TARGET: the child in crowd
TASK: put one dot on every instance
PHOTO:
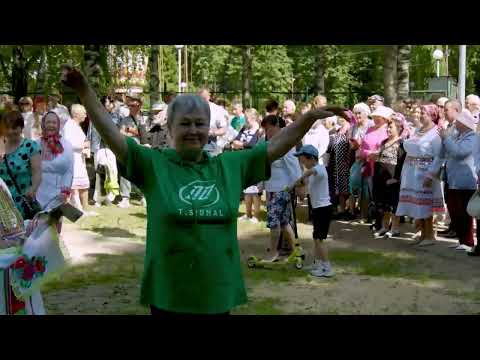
(322, 207)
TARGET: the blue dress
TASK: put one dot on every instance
(19, 163)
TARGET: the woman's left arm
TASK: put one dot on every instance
(36, 165)
(67, 178)
(434, 168)
(290, 136)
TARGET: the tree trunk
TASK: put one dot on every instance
(19, 73)
(321, 64)
(403, 71)
(41, 74)
(390, 73)
(154, 81)
(247, 61)
(93, 70)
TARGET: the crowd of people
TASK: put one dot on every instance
(413, 162)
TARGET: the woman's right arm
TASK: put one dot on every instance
(96, 111)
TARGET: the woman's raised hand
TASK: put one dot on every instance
(73, 78)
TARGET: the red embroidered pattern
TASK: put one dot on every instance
(435, 203)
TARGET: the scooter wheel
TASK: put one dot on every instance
(299, 264)
(251, 262)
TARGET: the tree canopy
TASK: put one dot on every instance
(345, 73)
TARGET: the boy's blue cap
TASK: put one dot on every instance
(307, 150)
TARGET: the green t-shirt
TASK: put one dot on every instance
(192, 262)
(238, 122)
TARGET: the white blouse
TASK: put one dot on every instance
(427, 146)
(57, 174)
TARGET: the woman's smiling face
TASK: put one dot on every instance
(189, 125)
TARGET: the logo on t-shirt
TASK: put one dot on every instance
(202, 193)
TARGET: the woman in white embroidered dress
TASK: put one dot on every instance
(420, 192)
(74, 134)
(57, 162)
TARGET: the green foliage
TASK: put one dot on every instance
(352, 72)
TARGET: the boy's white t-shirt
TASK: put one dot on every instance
(318, 187)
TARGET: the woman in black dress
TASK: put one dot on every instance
(339, 165)
(386, 181)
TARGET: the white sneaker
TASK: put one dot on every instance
(322, 272)
(97, 205)
(463, 248)
(328, 272)
(313, 266)
(244, 218)
(254, 220)
(144, 202)
(380, 233)
(392, 233)
(124, 204)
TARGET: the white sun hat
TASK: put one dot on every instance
(159, 106)
(467, 119)
(383, 111)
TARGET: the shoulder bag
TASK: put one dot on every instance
(31, 207)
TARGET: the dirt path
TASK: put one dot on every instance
(83, 245)
(432, 280)
(374, 276)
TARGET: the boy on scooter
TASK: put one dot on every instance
(322, 207)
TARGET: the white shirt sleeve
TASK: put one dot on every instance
(324, 139)
(293, 166)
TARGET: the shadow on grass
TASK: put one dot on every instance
(357, 259)
(140, 215)
(103, 269)
(113, 232)
(259, 306)
(263, 214)
(108, 285)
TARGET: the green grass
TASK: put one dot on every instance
(274, 273)
(104, 270)
(129, 224)
(381, 264)
(473, 296)
(262, 306)
(122, 273)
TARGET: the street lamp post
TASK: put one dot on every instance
(438, 55)
(462, 67)
(183, 86)
(179, 52)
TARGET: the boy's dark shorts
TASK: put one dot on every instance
(321, 222)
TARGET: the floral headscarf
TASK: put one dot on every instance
(51, 145)
(432, 111)
(402, 121)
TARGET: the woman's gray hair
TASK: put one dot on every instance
(185, 104)
(362, 108)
